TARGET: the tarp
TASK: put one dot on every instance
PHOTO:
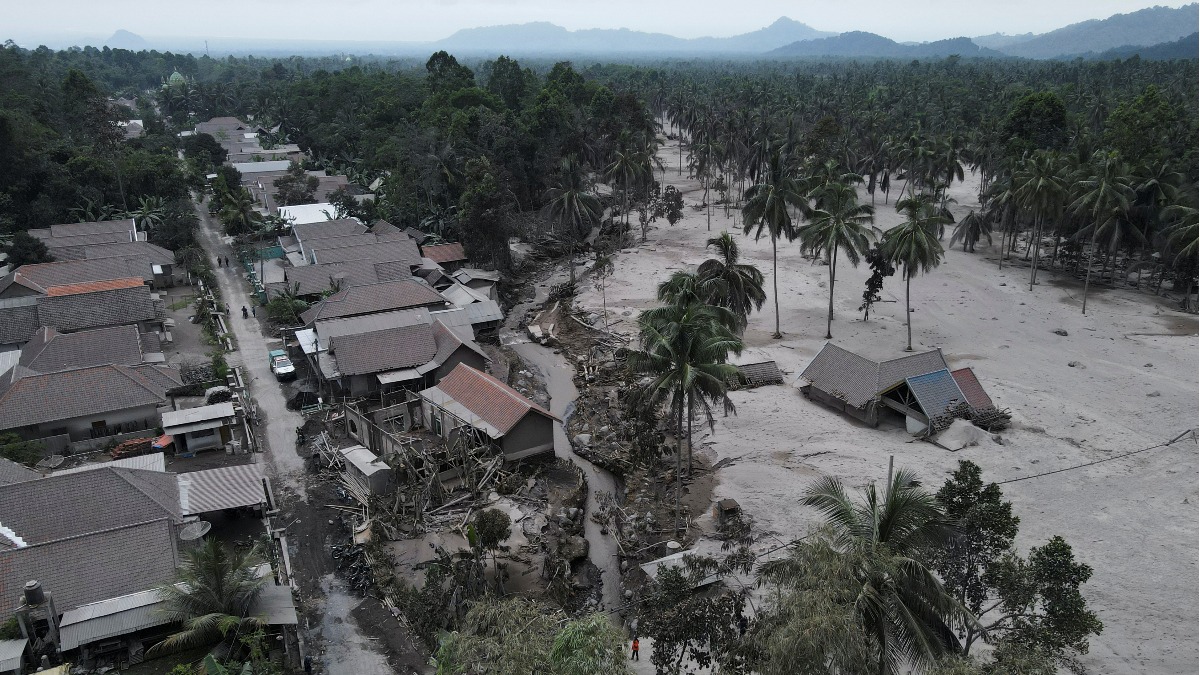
(163, 441)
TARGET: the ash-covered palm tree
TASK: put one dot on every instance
(768, 210)
(905, 612)
(1040, 186)
(572, 206)
(736, 286)
(1104, 194)
(970, 230)
(214, 591)
(914, 244)
(684, 353)
(839, 223)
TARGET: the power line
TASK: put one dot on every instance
(1100, 461)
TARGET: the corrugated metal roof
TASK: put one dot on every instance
(275, 606)
(11, 652)
(937, 393)
(205, 413)
(364, 460)
(227, 487)
(113, 625)
(972, 389)
(154, 461)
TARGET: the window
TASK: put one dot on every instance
(437, 423)
(353, 428)
(203, 433)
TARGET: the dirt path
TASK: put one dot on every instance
(348, 649)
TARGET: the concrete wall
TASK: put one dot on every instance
(534, 434)
(80, 428)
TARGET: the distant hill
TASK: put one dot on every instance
(1151, 26)
(123, 39)
(1183, 48)
(547, 37)
(870, 45)
(1000, 40)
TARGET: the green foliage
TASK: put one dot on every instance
(10, 629)
(296, 186)
(1150, 115)
(13, 447)
(1036, 121)
(493, 527)
(205, 150)
(27, 250)
(686, 624)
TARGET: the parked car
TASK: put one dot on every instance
(281, 365)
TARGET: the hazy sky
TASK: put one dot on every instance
(423, 20)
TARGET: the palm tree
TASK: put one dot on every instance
(1104, 196)
(238, 213)
(149, 213)
(684, 352)
(572, 205)
(627, 166)
(903, 608)
(914, 244)
(840, 223)
(736, 286)
(1041, 188)
(767, 210)
(970, 230)
(214, 591)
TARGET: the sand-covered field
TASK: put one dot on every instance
(1134, 520)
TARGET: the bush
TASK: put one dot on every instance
(15, 448)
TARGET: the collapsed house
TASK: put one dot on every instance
(920, 387)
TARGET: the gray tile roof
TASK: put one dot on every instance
(758, 375)
(96, 227)
(61, 506)
(449, 342)
(12, 472)
(332, 328)
(34, 398)
(313, 279)
(110, 307)
(308, 232)
(383, 250)
(54, 243)
(858, 380)
(380, 351)
(45, 275)
(374, 298)
(154, 255)
(18, 320)
(50, 351)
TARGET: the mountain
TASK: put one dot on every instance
(869, 45)
(1183, 48)
(123, 39)
(1000, 40)
(1151, 26)
(546, 37)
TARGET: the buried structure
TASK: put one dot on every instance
(920, 387)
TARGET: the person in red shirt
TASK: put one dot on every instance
(634, 656)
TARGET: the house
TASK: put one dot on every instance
(50, 351)
(97, 304)
(82, 404)
(160, 261)
(449, 256)
(259, 169)
(468, 397)
(369, 472)
(311, 281)
(414, 355)
(856, 385)
(96, 232)
(373, 299)
(484, 281)
(307, 233)
(31, 280)
(202, 428)
(88, 536)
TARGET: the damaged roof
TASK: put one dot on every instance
(858, 380)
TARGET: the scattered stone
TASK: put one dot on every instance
(573, 548)
(1154, 394)
(629, 593)
(1148, 365)
(1061, 332)
(583, 440)
(1003, 284)
(1074, 364)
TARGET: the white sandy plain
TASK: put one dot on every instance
(1134, 520)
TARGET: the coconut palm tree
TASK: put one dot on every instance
(972, 228)
(914, 244)
(627, 166)
(150, 213)
(736, 286)
(839, 223)
(572, 205)
(684, 349)
(767, 210)
(238, 213)
(1040, 187)
(1104, 194)
(902, 607)
(214, 591)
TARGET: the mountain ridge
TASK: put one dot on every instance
(1145, 27)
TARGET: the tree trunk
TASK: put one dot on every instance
(678, 464)
(908, 305)
(1003, 232)
(1087, 278)
(1037, 250)
(689, 433)
(775, 282)
(832, 272)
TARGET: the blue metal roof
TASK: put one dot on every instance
(936, 393)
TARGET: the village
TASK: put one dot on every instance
(306, 440)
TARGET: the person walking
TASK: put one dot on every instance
(633, 656)
(245, 312)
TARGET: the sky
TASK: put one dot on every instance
(53, 21)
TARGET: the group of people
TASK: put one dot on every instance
(222, 261)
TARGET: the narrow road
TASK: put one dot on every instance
(278, 427)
